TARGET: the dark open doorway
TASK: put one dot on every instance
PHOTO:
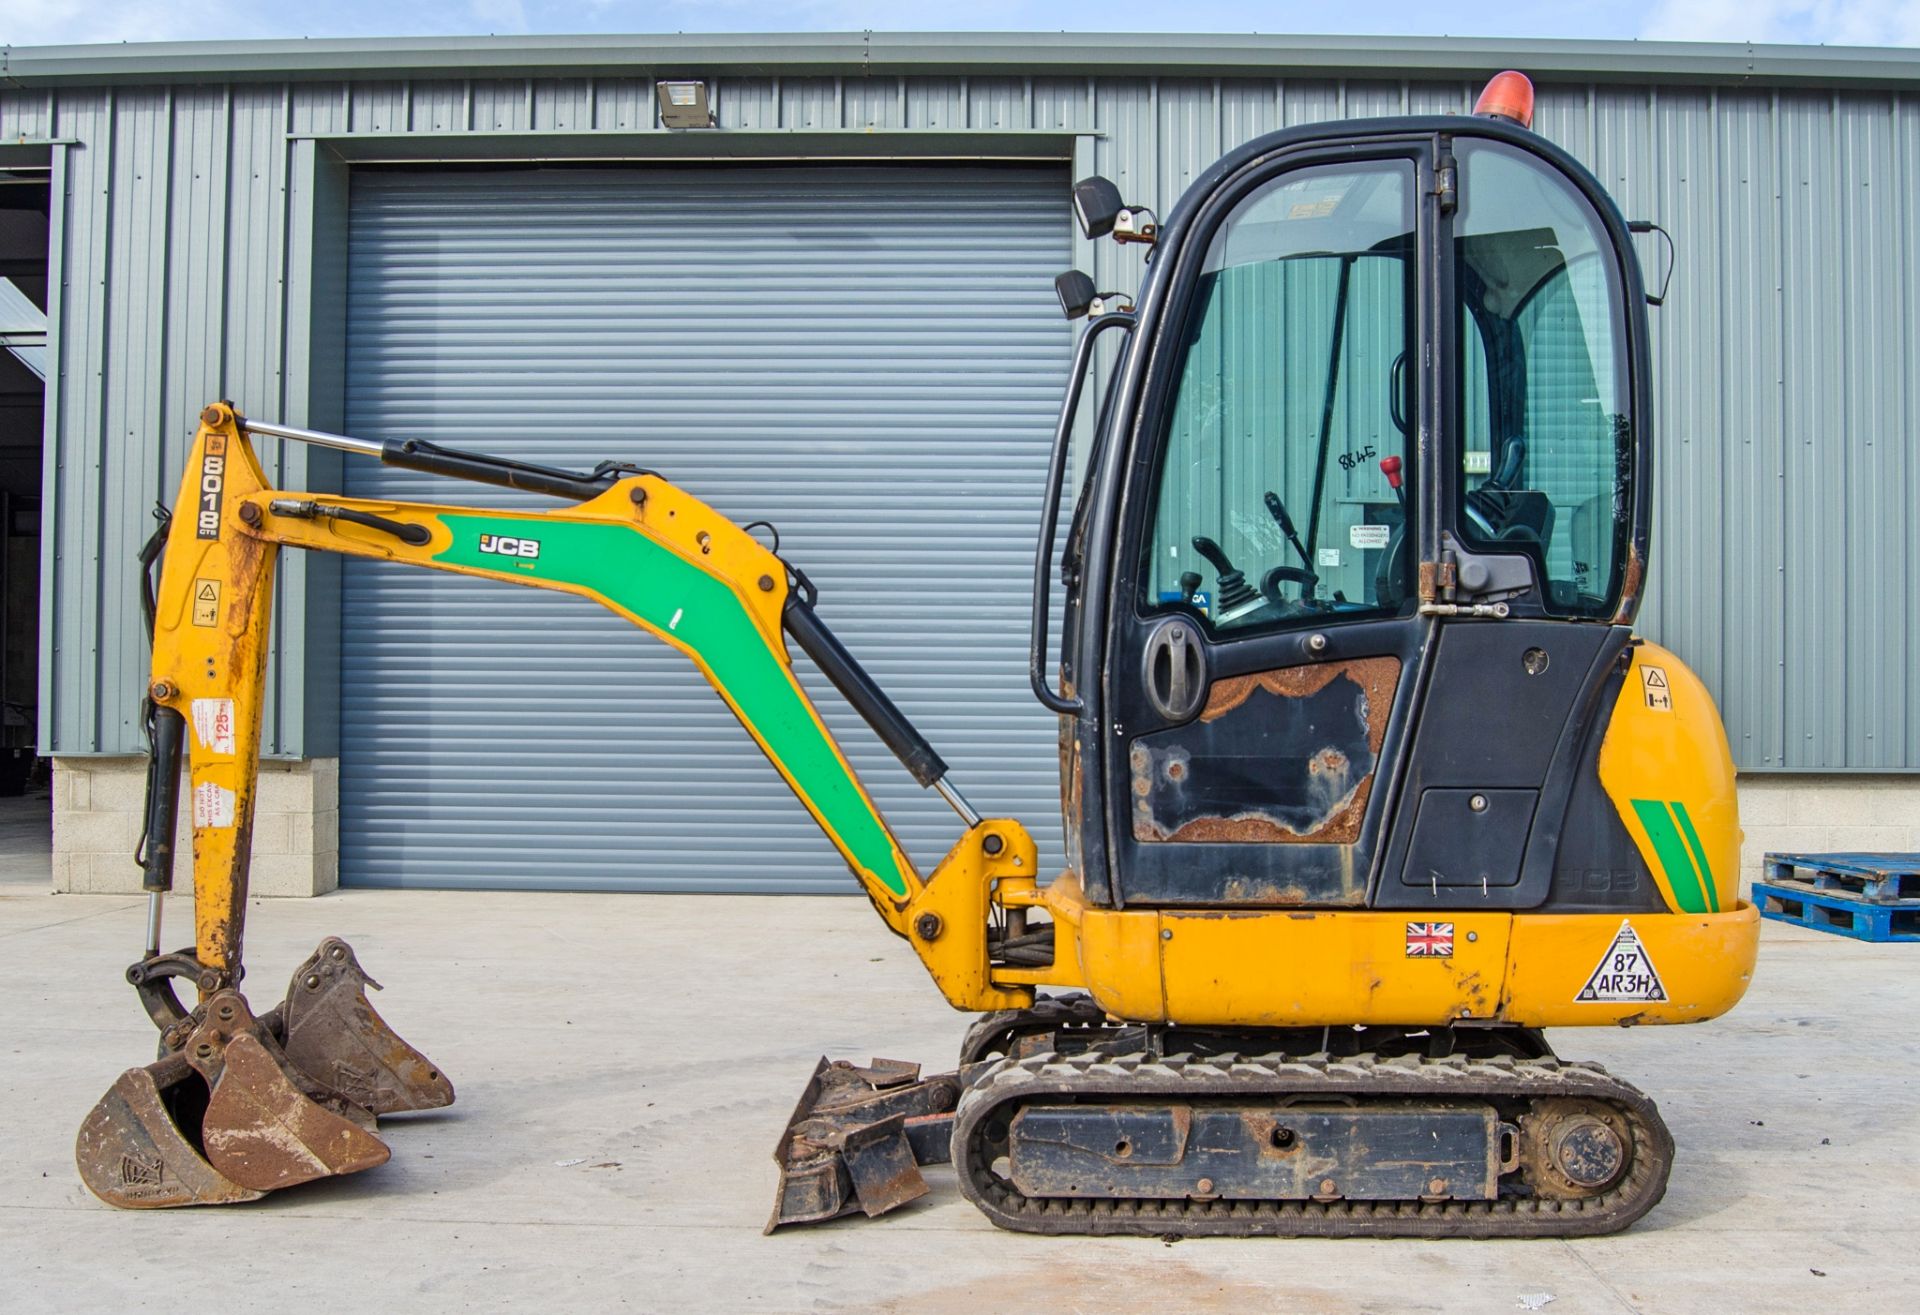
(23, 369)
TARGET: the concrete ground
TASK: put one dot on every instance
(624, 1064)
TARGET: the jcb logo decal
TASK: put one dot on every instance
(507, 547)
(213, 487)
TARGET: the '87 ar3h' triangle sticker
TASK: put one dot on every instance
(1625, 973)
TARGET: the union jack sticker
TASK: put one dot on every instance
(1429, 940)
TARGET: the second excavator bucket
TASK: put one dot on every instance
(330, 1030)
(226, 1119)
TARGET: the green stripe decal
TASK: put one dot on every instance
(1672, 852)
(1699, 853)
(675, 596)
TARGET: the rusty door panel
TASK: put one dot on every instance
(1282, 756)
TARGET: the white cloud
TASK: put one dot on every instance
(1807, 22)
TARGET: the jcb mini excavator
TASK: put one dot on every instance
(1366, 779)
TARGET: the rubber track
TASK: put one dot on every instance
(1044, 1078)
(1046, 1014)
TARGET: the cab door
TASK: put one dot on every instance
(1265, 640)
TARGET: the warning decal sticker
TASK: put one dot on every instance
(1625, 973)
(1653, 680)
(213, 724)
(212, 805)
(206, 602)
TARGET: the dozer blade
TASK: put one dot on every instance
(857, 1139)
(133, 1153)
(330, 1030)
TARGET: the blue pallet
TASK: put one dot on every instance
(1841, 914)
(1877, 877)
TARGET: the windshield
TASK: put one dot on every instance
(1284, 474)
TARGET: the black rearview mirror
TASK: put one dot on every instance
(1076, 293)
(1096, 204)
(1673, 257)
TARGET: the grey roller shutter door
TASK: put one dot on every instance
(869, 357)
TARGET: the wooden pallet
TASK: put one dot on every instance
(1844, 915)
(1881, 878)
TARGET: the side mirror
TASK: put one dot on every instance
(1673, 257)
(1096, 204)
(1076, 292)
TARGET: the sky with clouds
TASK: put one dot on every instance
(1831, 22)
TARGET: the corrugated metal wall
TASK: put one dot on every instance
(1788, 393)
(806, 345)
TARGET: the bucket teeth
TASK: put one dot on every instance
(330, 1030)
(132, 1153)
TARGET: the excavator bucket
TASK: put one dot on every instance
(264, 1133)
(330, 1031)
(227, 1119)
(135, 1151)
(858, 1137)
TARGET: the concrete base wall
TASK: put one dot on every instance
(1787, 814)
(97, 805)
(98, 812)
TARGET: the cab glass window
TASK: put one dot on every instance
(1285, 472)
(1543, 387)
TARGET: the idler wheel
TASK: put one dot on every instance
(1570, 1148)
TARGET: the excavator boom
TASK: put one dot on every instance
(633, 543)
(638, 546)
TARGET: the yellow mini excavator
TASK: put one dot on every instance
(1366, 779)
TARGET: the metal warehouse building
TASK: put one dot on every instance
(832, 311)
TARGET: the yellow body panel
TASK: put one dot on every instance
(1666, 765)
(1338, 967)
(1348, 966)
(1704, 961)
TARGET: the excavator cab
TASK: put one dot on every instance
(1367, 779)
(1367, 514)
